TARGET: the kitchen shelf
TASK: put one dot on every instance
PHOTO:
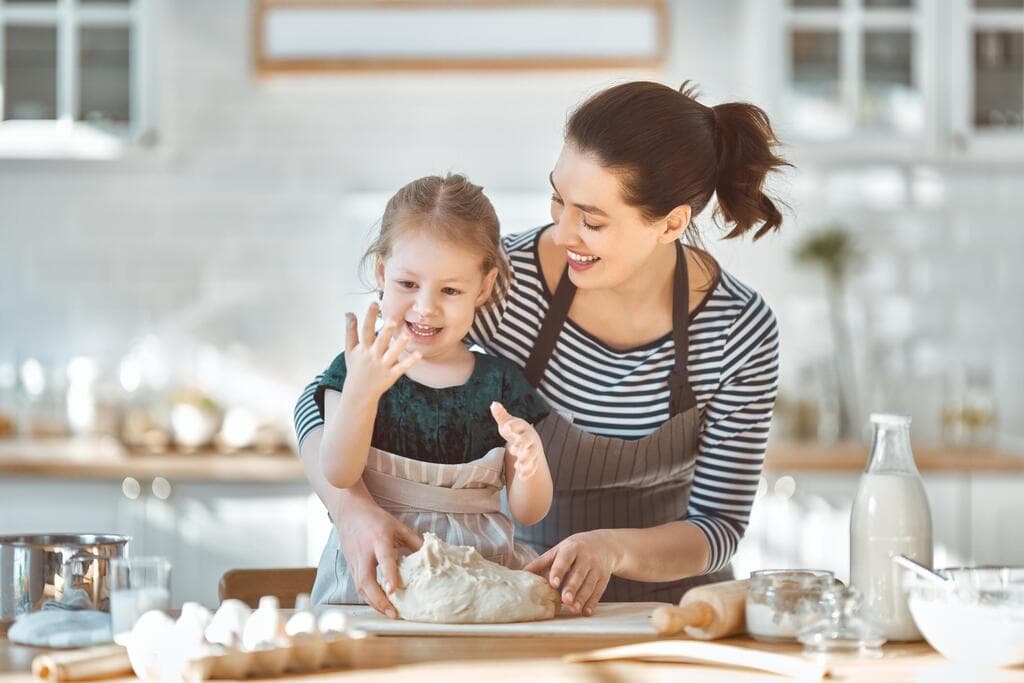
(106, 459)
(853, 456)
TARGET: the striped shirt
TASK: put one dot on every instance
(733, 370)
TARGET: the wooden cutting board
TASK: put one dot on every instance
(610, 619)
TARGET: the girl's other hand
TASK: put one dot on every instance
(374, 361)
(521, 440)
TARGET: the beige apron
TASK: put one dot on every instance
(461, 503)
(606, 483)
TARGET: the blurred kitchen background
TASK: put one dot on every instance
(186, 187)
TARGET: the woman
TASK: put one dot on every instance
(661, 369)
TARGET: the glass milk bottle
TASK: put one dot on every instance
(890, 517)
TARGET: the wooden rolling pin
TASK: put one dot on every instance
(717, 610)
(90, 663)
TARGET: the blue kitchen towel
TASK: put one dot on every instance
(63, 623)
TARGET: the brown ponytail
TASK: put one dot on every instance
(673, 150)
(745, 158)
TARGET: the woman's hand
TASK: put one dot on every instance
(369, 537)
(522, 441)
(580, 566)
(374, 362)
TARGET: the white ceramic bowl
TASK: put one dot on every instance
(980, 622)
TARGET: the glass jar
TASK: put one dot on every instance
(780, 602)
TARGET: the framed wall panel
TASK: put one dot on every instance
(340, 35)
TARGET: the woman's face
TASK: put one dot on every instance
(432, 287)
(606, 241)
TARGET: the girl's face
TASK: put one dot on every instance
(606, 241)
(434, 287)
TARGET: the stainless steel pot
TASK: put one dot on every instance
(37, 568)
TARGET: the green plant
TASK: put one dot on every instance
(830, 248)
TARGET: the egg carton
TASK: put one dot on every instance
(236, 642)
(310, 654)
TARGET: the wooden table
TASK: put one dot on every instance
(496, 660)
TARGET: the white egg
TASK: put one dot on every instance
(228, 624)
(333, 621)
(147, 644)
(265, 627)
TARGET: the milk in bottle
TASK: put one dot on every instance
(890, 517)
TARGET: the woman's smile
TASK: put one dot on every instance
(579, 261)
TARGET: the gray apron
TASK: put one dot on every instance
(604, 482)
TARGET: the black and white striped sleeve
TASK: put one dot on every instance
(307, 414)
(488, 317)
(735, 432)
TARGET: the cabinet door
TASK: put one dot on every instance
(217, 527)
(854, 76)
(803, 520)
(997, 506)
(47, 506)
(987, 96)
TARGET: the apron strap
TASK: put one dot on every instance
(396, 493)
(558, 311)
(681, 393)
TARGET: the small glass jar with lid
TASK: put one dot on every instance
(780, 602)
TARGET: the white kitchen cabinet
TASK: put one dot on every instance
(987, 72)
(203, 528)
(79, 78)
(893, 79)
(39, 505)
(218, 526)
(802, 519)
(996, 510)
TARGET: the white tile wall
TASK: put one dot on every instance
(243, 229)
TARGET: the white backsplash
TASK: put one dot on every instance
(242, 230)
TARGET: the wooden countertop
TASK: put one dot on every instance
(852, 457)
(472, 659)
(106, 459)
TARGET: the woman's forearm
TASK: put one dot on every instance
(662, 553)
(348, 431)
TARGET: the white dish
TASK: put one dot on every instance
(979, 620)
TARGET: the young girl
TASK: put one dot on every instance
(433, 430)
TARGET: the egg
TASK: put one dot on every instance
(333, 622)
(228, 624)
(264, 629)
(147, 644)
(308, 646)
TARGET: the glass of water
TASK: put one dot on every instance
(137, 585)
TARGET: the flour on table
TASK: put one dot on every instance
(454, 584)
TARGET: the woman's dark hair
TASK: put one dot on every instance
(671, 150)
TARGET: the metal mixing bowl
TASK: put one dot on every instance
(36, 568)
(978, 619)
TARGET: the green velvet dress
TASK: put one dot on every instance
(448, 426)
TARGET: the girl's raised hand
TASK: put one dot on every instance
(374, 360)
(521, 440)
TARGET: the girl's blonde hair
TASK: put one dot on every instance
(451, 209)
